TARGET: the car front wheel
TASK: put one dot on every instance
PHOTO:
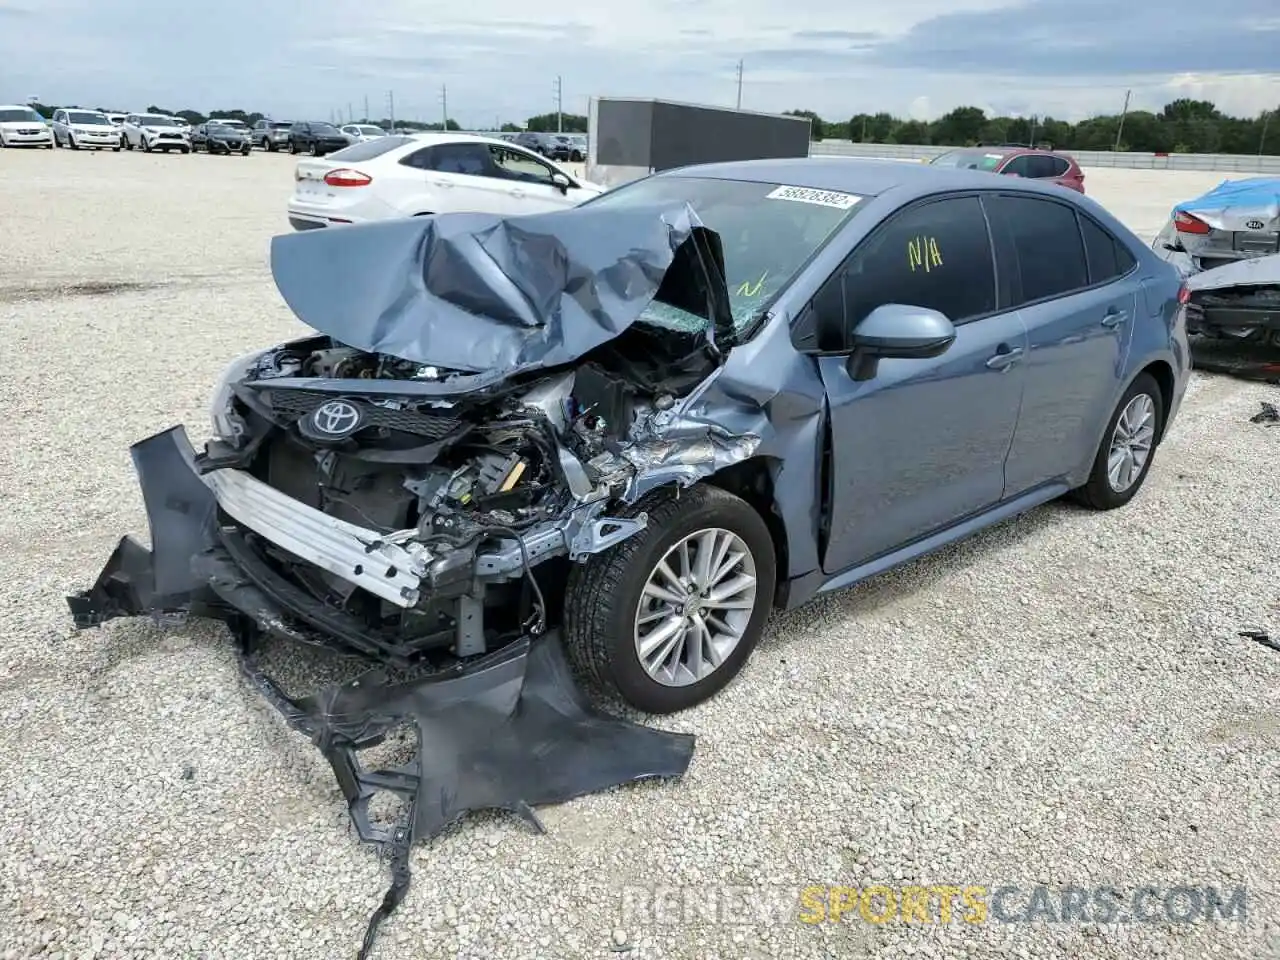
(665, 619)
(1128, 447)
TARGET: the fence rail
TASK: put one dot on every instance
(1225, 162)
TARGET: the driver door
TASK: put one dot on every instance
(527, 179)
(922, 444)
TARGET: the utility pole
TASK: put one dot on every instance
(391, 109)
(366, 109)
(1266, 120)
(739, 84)
(1031, 137)
(444, 107)
(559, 105)
(1124, 111)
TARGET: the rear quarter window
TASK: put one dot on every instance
(1106, 256)
(370, 148)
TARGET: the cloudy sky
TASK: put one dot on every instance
(500, 59)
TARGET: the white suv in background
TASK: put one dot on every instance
(21, 126)
(84, 128)
(154, 131)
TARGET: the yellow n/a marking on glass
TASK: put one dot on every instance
(923, 253)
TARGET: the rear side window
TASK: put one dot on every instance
(371, 148)
(1045, 167)
(1021, 165)
(1046, 241)
(936, 255)
(1107, 257)
(465, 158)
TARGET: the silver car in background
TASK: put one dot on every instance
(1236, 220)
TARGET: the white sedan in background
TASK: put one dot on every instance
(360, 132)
(421, 174)
(21, 126)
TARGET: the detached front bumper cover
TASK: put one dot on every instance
(506, 731)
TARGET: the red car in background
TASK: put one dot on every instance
(1017, 161)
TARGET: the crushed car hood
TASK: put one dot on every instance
(1233, 202)
(478, 293)
(1261, 271)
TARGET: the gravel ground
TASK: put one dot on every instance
(1061, 700)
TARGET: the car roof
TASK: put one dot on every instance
(856, 175)
(16, 106)
(434, 136)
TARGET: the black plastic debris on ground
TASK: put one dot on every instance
(1268, 415)
(1244, 359)
(508, 731)
(1260, 636)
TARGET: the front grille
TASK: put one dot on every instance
(295, 404)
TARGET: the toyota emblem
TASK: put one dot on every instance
(337, 418)
(1254, 224)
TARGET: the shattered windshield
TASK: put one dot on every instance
(969, 160)
(769, 232)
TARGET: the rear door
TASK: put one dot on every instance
(1077, 294)
(922, 444)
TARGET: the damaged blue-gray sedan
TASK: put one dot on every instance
(648, 421)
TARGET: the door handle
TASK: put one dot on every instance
(517, 193)
(1114, 318)
(1005, 357)
(442, 183)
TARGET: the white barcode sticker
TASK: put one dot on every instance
(823, 198)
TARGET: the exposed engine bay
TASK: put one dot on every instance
(523, 468)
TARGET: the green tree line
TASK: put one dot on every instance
(1183, 126)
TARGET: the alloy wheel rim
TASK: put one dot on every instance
(695, 607)
(1131, 442)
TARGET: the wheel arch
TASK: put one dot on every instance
(1162, 372)
(752, 480)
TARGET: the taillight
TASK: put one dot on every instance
(1186, 223)
(347, 178)
(1184, 295)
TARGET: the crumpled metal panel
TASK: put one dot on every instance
(482, 293)
(1258, 272)
(1232, 203)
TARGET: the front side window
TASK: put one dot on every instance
(769, 232)
(511, 164)
(969, 159)
(1046, 238)
(1019, 165)
(936, 255)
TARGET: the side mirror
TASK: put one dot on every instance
(900, 332)
(561, 181)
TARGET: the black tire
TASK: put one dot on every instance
(245, 151)
(71, 142)
(1098, 493)
(293, 147)
(603, 594)
(128, 144)
(115, 149)
(146, 145)
(315, 149)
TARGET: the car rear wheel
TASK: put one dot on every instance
(293, 148)
(246, 150)
(665, 619)
(315, 150)
(1127, 449)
